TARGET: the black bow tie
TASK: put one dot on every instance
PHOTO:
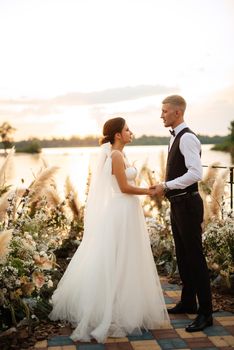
(172, 132)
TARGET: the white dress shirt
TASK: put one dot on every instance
(190, 147)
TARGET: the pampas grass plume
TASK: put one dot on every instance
(5, 238)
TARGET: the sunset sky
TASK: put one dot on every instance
(66, 66)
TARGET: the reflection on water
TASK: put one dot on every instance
(75, 162)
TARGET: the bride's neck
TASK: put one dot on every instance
(117, 146)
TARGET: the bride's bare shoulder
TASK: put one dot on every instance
(116, 154)
(117, 157)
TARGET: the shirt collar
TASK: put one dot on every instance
(180, 127)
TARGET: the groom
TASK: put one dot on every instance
(183, 172)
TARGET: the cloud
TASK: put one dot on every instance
(212, 114)
(112, 95)
(143, 120)
(209, 115)
(95, 97)
(23, 112)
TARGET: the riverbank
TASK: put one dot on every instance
(34, 145)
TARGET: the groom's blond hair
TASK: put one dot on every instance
(176, 100)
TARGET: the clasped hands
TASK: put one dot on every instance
(156, 190)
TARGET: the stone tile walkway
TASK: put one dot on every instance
(219, 336)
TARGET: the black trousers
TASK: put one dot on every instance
(186, 220)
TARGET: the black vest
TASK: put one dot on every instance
(176, 165)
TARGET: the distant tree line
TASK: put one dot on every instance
(90, 141)
(59, 142)
(164, 140)
(34, 145)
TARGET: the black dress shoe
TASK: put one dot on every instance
(200, 322)
(181, 309)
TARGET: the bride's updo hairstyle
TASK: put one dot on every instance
(110, 128)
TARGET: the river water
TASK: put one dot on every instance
(75, 163)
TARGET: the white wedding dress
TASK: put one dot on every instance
(111, 287)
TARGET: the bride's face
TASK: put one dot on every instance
(126, 134)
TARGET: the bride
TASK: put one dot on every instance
(111, 287)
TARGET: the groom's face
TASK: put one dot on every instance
(169, 115)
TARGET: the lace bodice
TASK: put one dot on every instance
(131, 173)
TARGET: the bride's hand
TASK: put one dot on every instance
(151, 191)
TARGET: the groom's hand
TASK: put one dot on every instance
(158, 190)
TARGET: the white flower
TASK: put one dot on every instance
(42, 253)
(50, 284)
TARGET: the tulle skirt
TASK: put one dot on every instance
(111, 287)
